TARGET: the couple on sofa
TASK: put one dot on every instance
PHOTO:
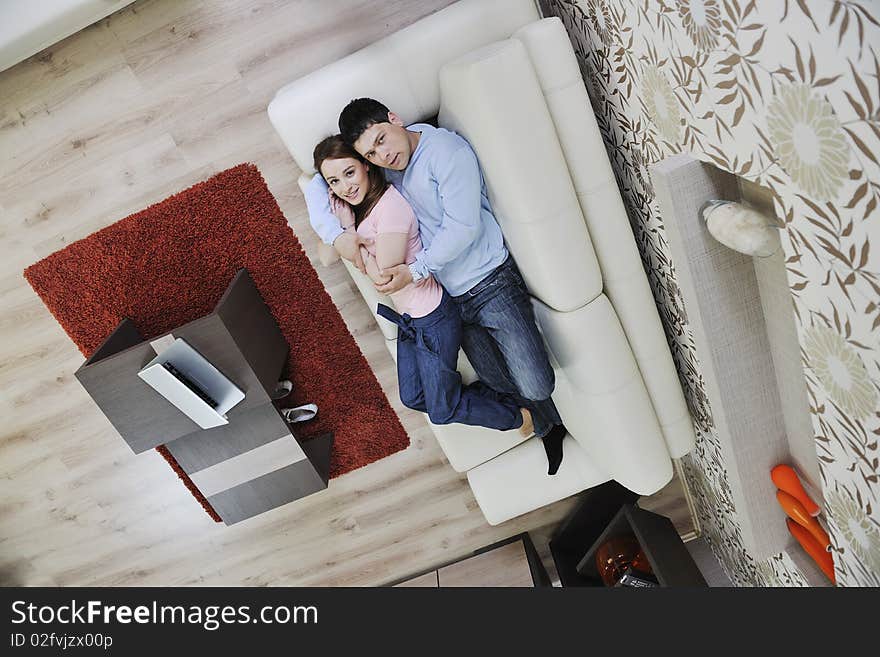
(408, 206)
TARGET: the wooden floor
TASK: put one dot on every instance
(143, 104)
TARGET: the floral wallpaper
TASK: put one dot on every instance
(785, 93)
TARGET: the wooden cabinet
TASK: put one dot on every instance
(510, 563)
(426, 581)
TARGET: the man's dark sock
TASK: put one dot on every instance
(553, 447)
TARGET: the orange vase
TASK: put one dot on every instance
(796, 511)
(786, 479)
(822, 558)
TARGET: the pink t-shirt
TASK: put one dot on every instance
(392, 214)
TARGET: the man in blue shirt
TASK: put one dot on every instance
(437, 172)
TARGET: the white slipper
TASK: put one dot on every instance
(299, 413)
(282, 389)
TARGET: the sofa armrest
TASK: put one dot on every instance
(327, 255)
(27, 27)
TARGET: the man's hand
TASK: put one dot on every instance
(348, 245)
(400, 275)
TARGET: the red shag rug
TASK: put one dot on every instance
(170, 263)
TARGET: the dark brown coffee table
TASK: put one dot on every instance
(248, 466)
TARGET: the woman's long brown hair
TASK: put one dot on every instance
(334, 148)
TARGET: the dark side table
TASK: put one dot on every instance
(609, 510)
(248, 466)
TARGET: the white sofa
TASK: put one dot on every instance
(29, 26)
(509, 82)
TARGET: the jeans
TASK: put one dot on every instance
(502, 342)
(427, 358)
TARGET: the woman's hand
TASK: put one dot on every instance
(349, 245)
(341, 210)
(371, 268)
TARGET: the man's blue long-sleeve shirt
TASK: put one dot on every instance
(461, 240)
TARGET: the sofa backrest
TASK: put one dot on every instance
(400, 70)
(496, 97)
(623, 275)
(492, 97)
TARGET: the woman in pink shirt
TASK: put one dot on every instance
(429, 326)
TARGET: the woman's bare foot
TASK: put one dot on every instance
(528, 427)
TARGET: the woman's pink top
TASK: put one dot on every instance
(392, 214)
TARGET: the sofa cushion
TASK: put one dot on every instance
(399, 70)
(466, 447)
(492, 97)
(517, 481)
(601, 396)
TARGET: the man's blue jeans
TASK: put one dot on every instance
(427, 358)
(502, 342)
